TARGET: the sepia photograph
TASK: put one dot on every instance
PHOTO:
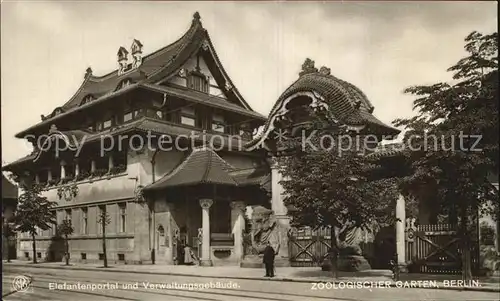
(251, 150)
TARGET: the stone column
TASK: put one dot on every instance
(238, 225)
(280, 211)
(63, 170)
(92, 166)
(77, 168)
(205, 247)
(400, 233)
(110, 162)
(49, 175)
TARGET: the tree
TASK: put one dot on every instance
(65, 229)
(34, 212)
(104, 220)
(331, 185)
(8, 232)
(463, 119)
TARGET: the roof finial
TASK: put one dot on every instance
(308, 67)
(88, 72)
(196, 17)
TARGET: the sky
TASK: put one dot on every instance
(381, 47)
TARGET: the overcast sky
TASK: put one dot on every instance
(380, 47)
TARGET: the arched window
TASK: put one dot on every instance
(161, 236)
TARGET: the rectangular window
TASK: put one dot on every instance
(101, 256)
(53, 229)
(218, 123)
(121, 257)
(197, 82)
(128, 116)
(188, 121)
(123, 215)
(83, 256)
(84, 221)
(107, 124)
(100, 213)
(188, 116)
(68, 215)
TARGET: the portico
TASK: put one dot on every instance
(202, 204)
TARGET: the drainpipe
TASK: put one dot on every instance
(153, 249)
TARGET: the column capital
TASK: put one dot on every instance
(206, 203)
(238, 205)
(273, 162)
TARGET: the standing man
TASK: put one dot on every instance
(268, 260)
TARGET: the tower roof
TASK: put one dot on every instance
(202, 166)
(155, 66)
(347, 103)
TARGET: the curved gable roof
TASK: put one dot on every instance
(348, 104)
(101, 85)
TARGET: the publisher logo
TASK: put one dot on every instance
(21, 283)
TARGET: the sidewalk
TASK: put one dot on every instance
(290, 274)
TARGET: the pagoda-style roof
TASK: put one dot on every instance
(144, 124)
(202, 166)
(9, 190)
(347, 103)
(205, 166)
(155, 67)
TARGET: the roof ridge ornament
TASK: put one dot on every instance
(88, 72)
(308, 67)
(325, 70)
(196, 17)
(136, 50)
(122, 60)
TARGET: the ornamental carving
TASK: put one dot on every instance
(205, 46)
(206, 203)
(139, 194)
(264, 230)
(308, 67)
(410, 229)
(67, 192)
(182, 73)
(200, 236)
(324, 70)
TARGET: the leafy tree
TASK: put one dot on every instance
(334, 185)
(34, 212)
(65, 229)
(104, 220)
(455, 116)
(8, 231)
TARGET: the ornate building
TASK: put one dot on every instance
(165, 191)
(202, 163)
